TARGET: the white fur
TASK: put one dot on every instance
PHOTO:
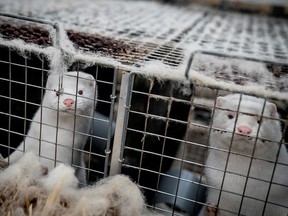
(52, 134)
(25, 171)
(121, 193)
(94, 206)
(61, 177)
(238, 165)
(57, 193)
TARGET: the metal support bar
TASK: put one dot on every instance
(121, 123)
(28, 19)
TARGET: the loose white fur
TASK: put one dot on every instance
(25, 188)
(23, 172)
(114, 195)
(17, 184)
(59, 129)
(241, 146)
(61, 177)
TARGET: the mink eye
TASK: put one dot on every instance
(80, 92)
(57, 92)
(230, 116)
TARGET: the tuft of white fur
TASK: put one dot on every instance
(64, 56)
(25, 189)
(124, 196)
(92, 205)
(61, 177)
(26, 169)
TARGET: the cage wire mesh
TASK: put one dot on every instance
(167, 142)
(23, 84)
(165, 115)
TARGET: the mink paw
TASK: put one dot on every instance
(3, 163)
(211, 210)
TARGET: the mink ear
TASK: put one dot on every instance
(52, 80)
(92, 83)
(219, 101)
(272, 109)
(49, 82)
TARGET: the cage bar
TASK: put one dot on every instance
(159, 69)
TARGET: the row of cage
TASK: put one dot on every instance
(147, 129)
(158, 130)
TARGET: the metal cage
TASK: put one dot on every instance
(156, 129)
(165, 142)
(23, 86)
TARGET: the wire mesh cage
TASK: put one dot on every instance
(197, 120)
(168, 143)
(23, 84)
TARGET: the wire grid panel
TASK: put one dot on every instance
(143, 26)
(23, 80)
(136, 21)
(168, 148)
(254, 36)
(154, 132)
(147, 26)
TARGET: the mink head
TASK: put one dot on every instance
(71, 92)
(245, 117)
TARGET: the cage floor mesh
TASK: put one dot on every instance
(136, 33)
(195, 27)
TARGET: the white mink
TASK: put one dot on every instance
(60, 127)
(248, 123)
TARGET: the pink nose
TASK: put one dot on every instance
(68, 102)
(244, 130)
